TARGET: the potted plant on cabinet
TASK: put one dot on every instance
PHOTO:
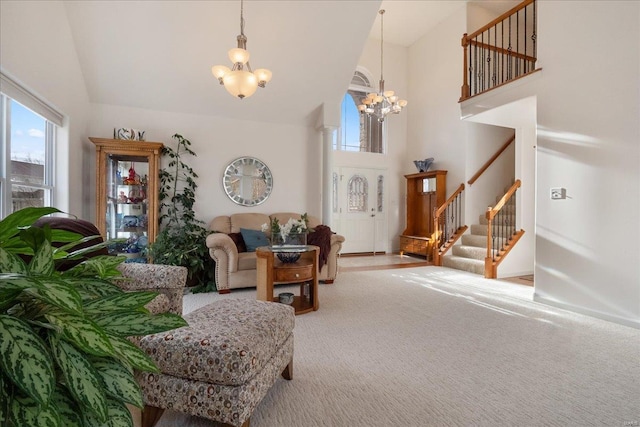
(182, 237)
(65, 359)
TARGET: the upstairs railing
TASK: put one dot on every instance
(501, 51)
(447, 225)
(501, 231)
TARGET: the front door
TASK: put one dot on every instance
(359, 211)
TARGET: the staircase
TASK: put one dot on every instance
(471, 253)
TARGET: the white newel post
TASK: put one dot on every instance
(328, 137)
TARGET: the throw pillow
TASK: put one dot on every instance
(253, 239)
(239, 241)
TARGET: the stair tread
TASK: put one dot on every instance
(465, 264)
(471, 252)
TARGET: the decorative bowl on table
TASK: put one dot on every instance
(288, 257)
(285, 298)
(423, 165)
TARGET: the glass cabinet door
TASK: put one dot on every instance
(127, 195)
(127, 215)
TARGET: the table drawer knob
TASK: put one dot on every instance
(297, 275)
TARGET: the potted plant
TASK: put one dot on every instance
(182, 237)
(65, 359)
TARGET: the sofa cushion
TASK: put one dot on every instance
(239, 241)
(250, 221)
(247, 261)
(227, 342)
(253, 239)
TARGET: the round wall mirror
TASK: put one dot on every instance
(247, 181)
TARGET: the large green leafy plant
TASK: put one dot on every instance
(65, 359)
(182, 237)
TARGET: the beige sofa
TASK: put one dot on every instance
(238, 270)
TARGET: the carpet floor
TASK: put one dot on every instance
(430, 346)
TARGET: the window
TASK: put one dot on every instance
(358, 189)
(358, 132)
(28, 138)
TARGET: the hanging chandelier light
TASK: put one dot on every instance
(240, 81)
(385, 101)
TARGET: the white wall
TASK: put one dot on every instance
(435, 72)
(587, 248)
(37, 51)
(290, 152)
(484, 141)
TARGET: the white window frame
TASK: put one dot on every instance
(362, 89)
(10, 89)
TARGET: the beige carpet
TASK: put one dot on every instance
(429, 346)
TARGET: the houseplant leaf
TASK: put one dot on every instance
(68, 409)
(83, 332)
(42, 262)
(83, 381)
(26, 412)
(11, 225)
(132, 355)
(92, 287)
(25, 359)
(46, 289)
(137, 323)
(119, 302)
(119, 381)
(10, 263)
(119, 416)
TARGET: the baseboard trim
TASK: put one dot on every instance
(581, 310)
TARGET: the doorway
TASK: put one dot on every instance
(359, 209)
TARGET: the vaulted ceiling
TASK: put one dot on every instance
(158, 55)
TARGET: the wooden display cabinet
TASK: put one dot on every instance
(426, 192)
(127, 193)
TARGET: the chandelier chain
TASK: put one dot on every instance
(242, 17)
(382, 44)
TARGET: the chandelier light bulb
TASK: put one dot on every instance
(240, 83)
(402, 103)
(238, 55)
(263, 75)
(219, 72)
(393, 99)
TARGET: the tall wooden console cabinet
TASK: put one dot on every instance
(127, 193)
(426, 192)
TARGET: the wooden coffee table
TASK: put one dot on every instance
(272, 271)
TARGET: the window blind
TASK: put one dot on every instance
(14, 90)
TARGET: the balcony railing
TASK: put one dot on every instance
(501, 51)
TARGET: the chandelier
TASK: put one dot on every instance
(240, 81)
(384, 101)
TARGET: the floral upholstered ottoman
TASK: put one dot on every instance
(221, 365)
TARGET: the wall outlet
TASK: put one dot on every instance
(558, 193)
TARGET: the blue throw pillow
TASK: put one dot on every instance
(253, 239)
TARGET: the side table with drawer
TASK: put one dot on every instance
(272, 271)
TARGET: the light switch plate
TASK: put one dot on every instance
(558, 193)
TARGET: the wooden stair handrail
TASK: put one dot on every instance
(441, 209)
(492, 212)
(489, 162)
(498, 19)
